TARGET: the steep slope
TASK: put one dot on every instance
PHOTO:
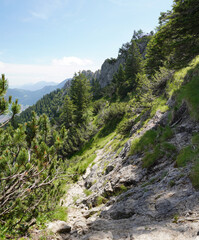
(142, 185)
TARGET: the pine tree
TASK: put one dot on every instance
(67, 116)
(177, 41)
(4, 104)
(133, 64)
(44, 127)
(80, 96)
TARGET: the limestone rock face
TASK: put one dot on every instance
(106, 73)
(108, 70)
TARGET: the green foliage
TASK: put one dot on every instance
(49, 104)
(144, 94)
(143, 143)
(96, 89)
(100, 200)
(80, 95)
(133, 63)
(194, 175)
(150, 158)
(185, 155)
(164, 149)
(82, 164)
(195, 140)
(59, 213)
(68, 116)
(125, 126)
(172, 183)
(87, 192)
(176, 42)
(98, 106)
(190, 93)
(6, 104)
(166, 133)
(111, 60)
(29, 170)
(114, 112)
(122, 188)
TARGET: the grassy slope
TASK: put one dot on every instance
(114, 134)
(184, 86)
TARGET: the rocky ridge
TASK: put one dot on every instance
(111, 66)
(127, 201)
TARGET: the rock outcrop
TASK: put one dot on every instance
(107, 71)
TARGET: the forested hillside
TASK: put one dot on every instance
(132, 138)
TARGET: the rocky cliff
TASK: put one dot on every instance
(107, 71)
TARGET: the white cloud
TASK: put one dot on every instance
(57, 70)
(67, 61)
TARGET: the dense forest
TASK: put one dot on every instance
(44, 147)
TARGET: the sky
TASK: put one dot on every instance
(50, 40)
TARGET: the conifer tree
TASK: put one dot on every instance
(4, 104)
(67, 116)
(44, 127)
(133, 64)
(176, 42)
(80, 96)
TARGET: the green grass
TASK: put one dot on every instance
(151, 157)
(189, 91)
(143, 143)
(191, 154)
(195, 139)
(100, 200)
(159, 104)
(60, 213)
(166, 134)
(190, 94)
(175, 84)
(185, 156)
(82, 164)
(194, 175)
(87, 192)
(161, 150)
(120, 190)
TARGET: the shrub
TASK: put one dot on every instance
(98, 105)
(125, 127)
(115, 111)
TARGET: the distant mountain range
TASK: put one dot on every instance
(34, 86)
(27, 97)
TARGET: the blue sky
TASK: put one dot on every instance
(51, 39)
